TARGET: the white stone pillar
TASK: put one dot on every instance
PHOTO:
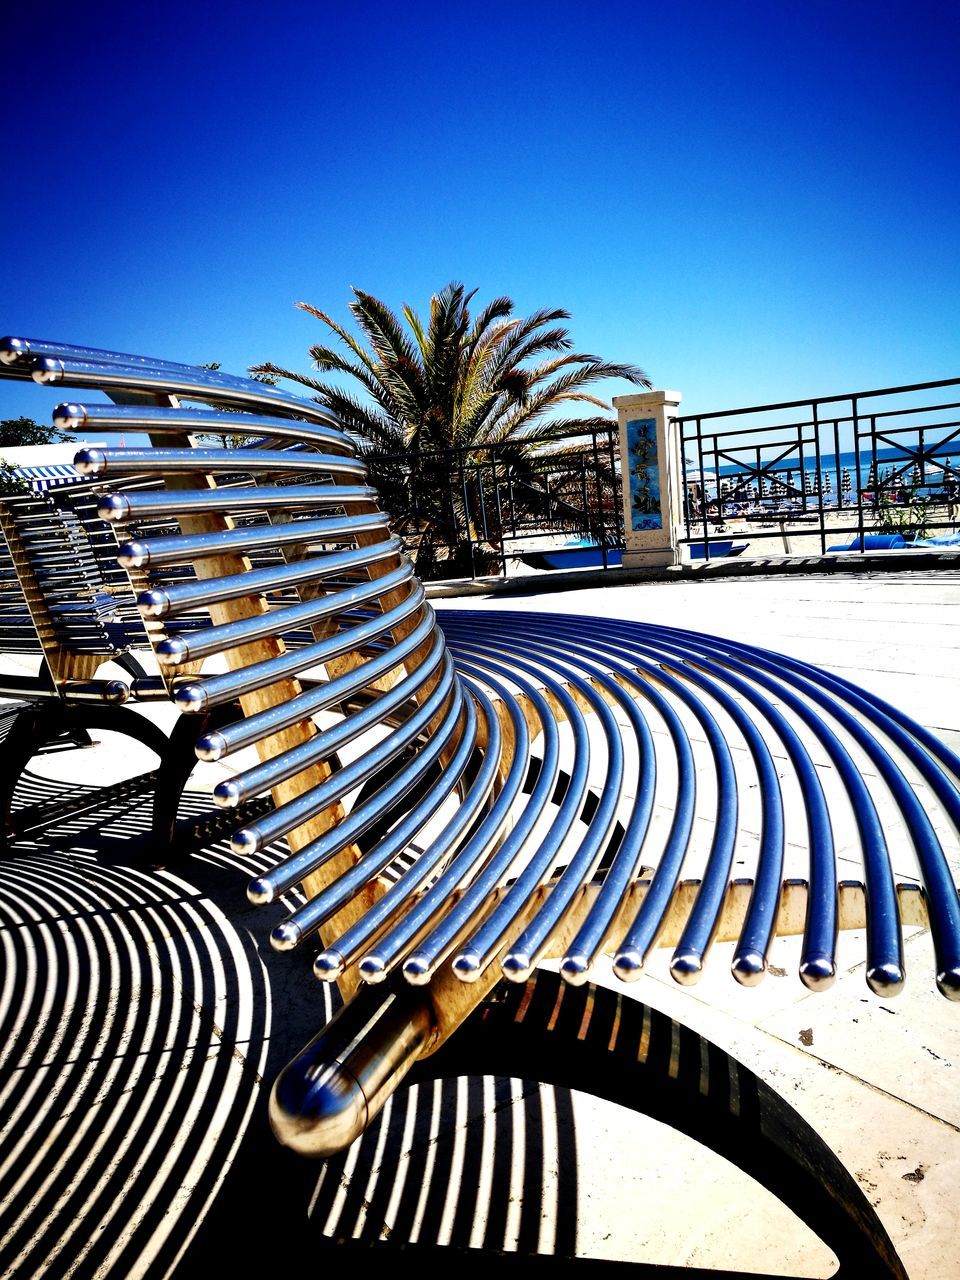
(651, 473)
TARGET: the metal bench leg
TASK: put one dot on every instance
(168, 842)
(42, 723)
(600, 1042)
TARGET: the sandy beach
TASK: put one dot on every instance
(790, 536)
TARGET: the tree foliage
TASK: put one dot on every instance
(414, 391)
(18, 433)
(21, 432)
(227, 439)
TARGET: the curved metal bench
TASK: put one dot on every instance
(462, 801)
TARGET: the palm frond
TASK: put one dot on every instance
(429, 389)
(416, 324)
(363, 420)
(498, 309)
(383, 329)
(274, 371)
(344, 335)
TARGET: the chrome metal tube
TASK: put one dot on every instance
(315, 855)
(885, 969)
(287, 817)
(192, 382)
(322, 430)
(345, 949)
(222, 742)
(110, 462)
(261, 777)
(169, 601)
(179, 502)
(176, 650)
(526, 951)
(487, 939)
(214, 690)
(331, 1091)
(749, 962)
(322, 906)
(472, 861)
(585, 947)
(147, 552)
(30, 349)
(112, 691)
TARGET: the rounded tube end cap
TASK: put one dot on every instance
(134, 555)
(686, 967)
(467, 966)
(69, 416)
(628, 965)
(246, 840)
(211, 747)
(948, 982)
(328, 966)
(47, 370)
(153, 603)
(372, 969)
(113, 506)
(285, 936)
(517, 966)
(317, 1108)
(172, 651)
(113, 692)
(818, 972)
(190, 698)
(89, 462)
(417, 970)
(749, 967)
(574, 969)
(227, 794)
(886, 979)
(260, 892)
(14, 350)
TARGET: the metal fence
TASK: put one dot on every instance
(857, 471)
(471, 512)
(854, 471)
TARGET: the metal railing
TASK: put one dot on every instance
(871, 464)
(475, 511)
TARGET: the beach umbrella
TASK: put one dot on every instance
(693, 474)
(872, 477)
(917, 477)
(846, 484)
(827, 483)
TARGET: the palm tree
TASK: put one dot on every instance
(430, 391)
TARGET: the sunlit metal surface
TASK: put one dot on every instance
(464, 800)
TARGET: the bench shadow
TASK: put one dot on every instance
(144, 1015)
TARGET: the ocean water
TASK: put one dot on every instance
(834, 465)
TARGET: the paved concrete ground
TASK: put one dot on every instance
(143, 1018)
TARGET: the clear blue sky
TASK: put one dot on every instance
(753, 201)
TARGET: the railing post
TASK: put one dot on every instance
(652, 478)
